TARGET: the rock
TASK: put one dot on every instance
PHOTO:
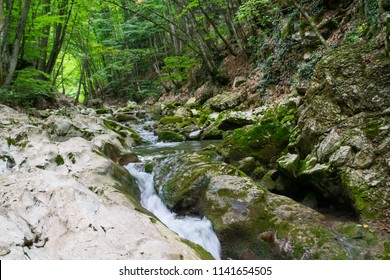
(195, 113)
(259, 224)
(273, 182)
(342, 126)
(190, 101)
(289, 163)
(263, 141)
(183, 112)
(342, 156)
(170, 136)
(125, 117)
(205, 92)
(238, 81)
(247, 165)
(67, 200)
(229, 120)
(212, 133)
(127, 158)
(195, 135)
(225, 101)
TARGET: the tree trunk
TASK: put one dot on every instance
(1, 41)
(60, 32)
(312, 24)
(16, 44)
(212, 23)
(80, 83)
(44, 41)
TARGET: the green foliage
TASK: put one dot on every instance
(29, 87)
(176, 68)
(261, 13)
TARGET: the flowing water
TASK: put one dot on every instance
(197, 230)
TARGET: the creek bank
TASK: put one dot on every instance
(64, 194)
(253, 223)
(326, 145)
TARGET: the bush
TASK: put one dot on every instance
(29, 87)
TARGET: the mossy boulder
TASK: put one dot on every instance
(170, 136)
(264, 142)
(251, 222)
(184, 192)
(343, 130)
(230, 120)
(225, 101)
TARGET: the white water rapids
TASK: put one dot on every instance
(199, 231)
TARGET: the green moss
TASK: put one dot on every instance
(11, 142)
(371, 128)
(170, 136)
(72, 158)
(360, 198)
(259, 172)
(202, 253)
(126, 182)
(386, 251)
(209, 154)
(149, 166)
(59, 160)
(204, 116)
(170, 120)
(263, 142)
(213, 134)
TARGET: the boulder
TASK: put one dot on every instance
(225, 101)
(67, 200)
(344, 131)
(251, 222)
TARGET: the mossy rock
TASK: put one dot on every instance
(185, 190)
(213, 134)
(170, 136)
(264, 142)
(170, 120)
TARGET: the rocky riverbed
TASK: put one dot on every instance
(299, 176)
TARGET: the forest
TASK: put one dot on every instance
(143, 49)
(195, 129)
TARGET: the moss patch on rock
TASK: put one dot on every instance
(170, 136)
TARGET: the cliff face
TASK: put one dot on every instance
(344, 125)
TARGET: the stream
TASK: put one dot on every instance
(197, 230)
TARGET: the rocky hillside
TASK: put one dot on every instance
(301, 169)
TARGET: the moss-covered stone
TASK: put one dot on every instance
(170, 120)
(170, 136)
(264, 142)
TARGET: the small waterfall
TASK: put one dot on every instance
(199, 231)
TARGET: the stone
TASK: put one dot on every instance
(260, 224)
(170, 136)
(229, 120)
(195, 135)
(68, 200)
(225, 101)
(342, 128)
(247, 165)
(183, 112)
(290, 163)
(342, 156)
(238, 81)
(329, 145)
(191, 101)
